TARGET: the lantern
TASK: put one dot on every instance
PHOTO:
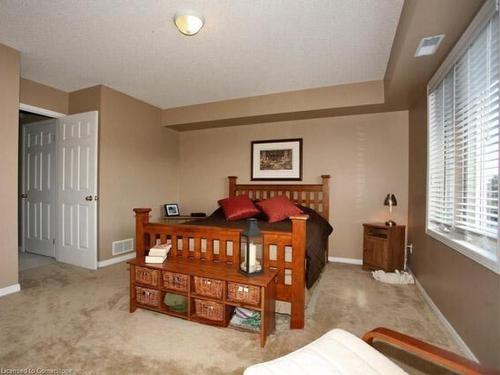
(251, 249)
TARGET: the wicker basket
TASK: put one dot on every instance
(146, 276)
(208, 287)
(209, 310)
(243, 293)
(149, 297)
(175, 281)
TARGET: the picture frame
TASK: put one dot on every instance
(276, 160)
(172, 209)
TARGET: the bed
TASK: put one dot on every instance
(297, 248)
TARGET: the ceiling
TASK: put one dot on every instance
(246, 48)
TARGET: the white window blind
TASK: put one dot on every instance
(463, 125)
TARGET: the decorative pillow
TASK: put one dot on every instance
(240, 207)
(278, 208)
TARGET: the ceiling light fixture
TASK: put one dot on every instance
(188, 24)
(428, 45)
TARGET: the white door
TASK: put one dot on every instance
(39, 187)
(76, 240)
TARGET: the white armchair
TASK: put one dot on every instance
(339, 352)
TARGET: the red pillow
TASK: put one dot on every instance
(278, 208)
(240, 207)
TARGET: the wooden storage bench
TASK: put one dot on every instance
(213, 290)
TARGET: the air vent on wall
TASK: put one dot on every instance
(428, 45)
(123, 246)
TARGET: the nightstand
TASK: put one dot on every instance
(383, 247)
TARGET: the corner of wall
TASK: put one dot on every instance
(9, 141)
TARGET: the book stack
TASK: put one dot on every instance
(158, 253)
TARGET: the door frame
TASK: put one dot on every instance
(40, 111)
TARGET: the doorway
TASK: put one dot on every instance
(58, 189)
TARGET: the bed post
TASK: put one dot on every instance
(326, 196)
(298, 270)
(232, 185)
(325, 178)
(141, 219)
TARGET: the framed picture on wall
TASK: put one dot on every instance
(279, 159)
(171, 209)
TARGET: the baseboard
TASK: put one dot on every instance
(346, 260)
(122, 258)
(454, 334)
(10, 289)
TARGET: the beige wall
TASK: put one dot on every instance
(138, 165)
(265, 107)
(138, 161)
(366, 156)
(9, 107)
(46, 97)
(467, 293)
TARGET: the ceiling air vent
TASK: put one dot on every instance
(428, 45)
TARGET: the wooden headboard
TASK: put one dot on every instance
(315, 196)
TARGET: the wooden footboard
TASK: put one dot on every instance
(282, 251)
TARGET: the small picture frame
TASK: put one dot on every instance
(277, 159)
(172, 209)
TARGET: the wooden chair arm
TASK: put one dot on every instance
(427, 351)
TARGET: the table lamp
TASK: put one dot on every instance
(390, 200)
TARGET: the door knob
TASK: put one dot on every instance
(89, 198)
(24, 195)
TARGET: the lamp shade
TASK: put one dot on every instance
(390, 199)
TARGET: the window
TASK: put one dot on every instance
(463, 144)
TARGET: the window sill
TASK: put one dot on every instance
(477, 254)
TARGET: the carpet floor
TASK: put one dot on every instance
(68, 317)
(30, 260)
